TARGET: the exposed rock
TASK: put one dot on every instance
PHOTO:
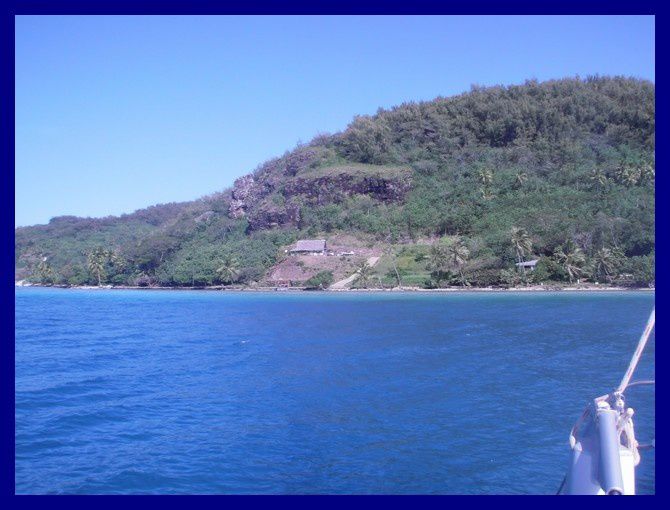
(336, 188)
(268, 215)
(236, 208)
(302, 159)
(243, 186)
(269, 199)
(242, 190)
(250, 190)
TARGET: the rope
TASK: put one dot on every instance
(558, 492)
(626, 423)
(641, 383)
(627, 428)
(638, 352)
(646, 446)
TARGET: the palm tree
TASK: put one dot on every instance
(487, 194)
(598, 178)
(116, 259)
(606, 262)
(572, 259)
(520, 178)
(390, 253)
(228, 269)
(438, 260)
(44, 271)
(485, 177)
(628, 175)
(395, 269)
(364, 273)
(457, 256)
(96, 260)
(522, 243)
(647, 173)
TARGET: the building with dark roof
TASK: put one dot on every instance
(309, 247)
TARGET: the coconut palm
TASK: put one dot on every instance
(438, 260)
(606, 262)
(487, 194)
(520, 178)
(598, 178)
(228, 269)
(627, 175)
(522, 243)
(117, 261)
(571, 258)
(96, 260)
(485, 177)
(437, 257)
(44, 271)
(364, 272)
(457, 256)
(647, 173)
(390, 253)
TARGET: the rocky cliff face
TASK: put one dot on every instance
(268, 215)
(275, 193)
(336, 187)
(249, 190)
(241, 195)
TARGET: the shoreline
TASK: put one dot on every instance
(214, 288)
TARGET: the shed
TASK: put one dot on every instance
(527, 264)
(309, 246)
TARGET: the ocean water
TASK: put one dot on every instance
(123, 392)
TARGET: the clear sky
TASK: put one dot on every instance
(117, 113)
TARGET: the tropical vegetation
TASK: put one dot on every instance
(453, 191)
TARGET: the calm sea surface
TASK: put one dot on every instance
(212, 392)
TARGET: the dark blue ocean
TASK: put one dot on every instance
(213, 392)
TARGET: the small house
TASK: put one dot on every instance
(309, 247)
(527, 265)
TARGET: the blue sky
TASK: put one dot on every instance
(117, 113)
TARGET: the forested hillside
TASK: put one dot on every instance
(456, 189)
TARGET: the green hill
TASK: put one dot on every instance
(568, 165)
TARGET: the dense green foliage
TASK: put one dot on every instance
(321, 280)
(569, 164)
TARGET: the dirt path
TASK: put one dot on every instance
(344, 284)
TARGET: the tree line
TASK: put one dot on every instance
(567, 165)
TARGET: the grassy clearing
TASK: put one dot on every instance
(411, 262)
(358, 170)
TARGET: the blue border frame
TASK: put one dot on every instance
(139, 7)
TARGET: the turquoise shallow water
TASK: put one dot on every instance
(210, 392)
